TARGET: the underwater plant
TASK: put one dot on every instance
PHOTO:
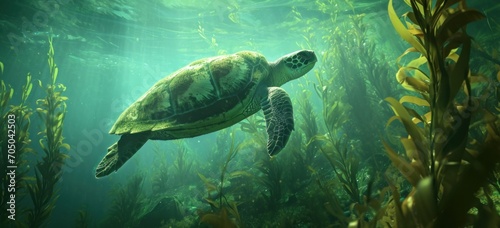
(308, 127)
(14, 142)
(333, 205)
(353, 87)
(82, 221)
(127, 204)
(181, 172)
(345, 164)
(272, 180)
(48, 171)
(224, 211)
(445, 169)
(160, 178)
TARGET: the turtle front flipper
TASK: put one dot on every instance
(120, 152)
(278, 112)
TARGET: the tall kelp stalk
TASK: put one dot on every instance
(224, 211)
(48, 171)
(272, 181)
(359, 78)
(336, 113)
(300, 154)
(446, 167)
(14, 141)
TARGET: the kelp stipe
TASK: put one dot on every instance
(224, 212)
(271, 180)
(302, 156)
(444, 171)
(48, 171)
(17, 118)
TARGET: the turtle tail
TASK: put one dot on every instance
(120, 152)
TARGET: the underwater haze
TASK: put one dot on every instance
(396, 125)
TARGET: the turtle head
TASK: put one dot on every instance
(292, 66)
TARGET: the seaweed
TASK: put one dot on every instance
(14, 141)
(127, 204)
(82, 221)
(298, 172)
(345, 165)
(445, 169)
(160, 178)
(48, 171)
(353, 87)
(308, 127)
(256, 126)
(224, 211)
(181, 173)
(272, 180)
(218, 152)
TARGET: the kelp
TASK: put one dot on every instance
(298, 171)
(272, 181)
(82, 221)
(300, 155)
(255, 125)
(345, 164)
(224, 211)
(332, 204)
(127, 205)
(444, 170)
(160, 178)
(17, 137)
(372, 207)
(48, 171)
(336, 111)
(352, 88)
(181, 173)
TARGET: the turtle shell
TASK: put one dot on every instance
(206, 95)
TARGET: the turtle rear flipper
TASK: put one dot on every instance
(120, 152)
(278, 113)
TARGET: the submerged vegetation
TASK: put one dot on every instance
(48, 171)
(376, 144)
(448, 163)
(42, 187)
(21, 140)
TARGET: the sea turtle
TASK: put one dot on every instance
(208, 95)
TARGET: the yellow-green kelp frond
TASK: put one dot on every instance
(14, 142)
(444, 165)
(224, 209)
(48, 171)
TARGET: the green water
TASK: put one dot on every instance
(109, 53)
